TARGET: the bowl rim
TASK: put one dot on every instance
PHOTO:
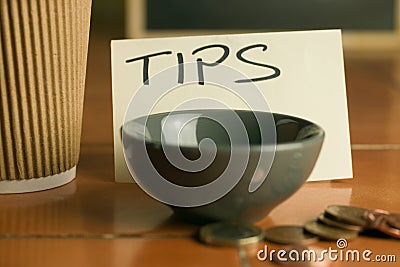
(320, 135)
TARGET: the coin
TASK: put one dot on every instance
(230, 234)
(301, 256)
(289, 234)
(328, 232)
(348, 214)
(383, 226)
(374, 217)
(394, 220)
(338, 224)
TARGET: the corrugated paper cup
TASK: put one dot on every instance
(43, 52)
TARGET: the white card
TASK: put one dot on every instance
(299, 73)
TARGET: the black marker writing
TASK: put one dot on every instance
(200, 62)
(239, 55)
(181, 71)
(146, 62)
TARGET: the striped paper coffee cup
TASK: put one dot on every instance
(43, 52)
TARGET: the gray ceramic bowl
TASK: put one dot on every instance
(298, 143)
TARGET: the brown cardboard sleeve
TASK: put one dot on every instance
(43, 51)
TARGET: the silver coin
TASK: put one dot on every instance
(348, 214)
(328, 232)
(289, 235)
(230, 234)
(338, 224)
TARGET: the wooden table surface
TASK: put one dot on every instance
(93, 221)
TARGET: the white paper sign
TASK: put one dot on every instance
(299, 73)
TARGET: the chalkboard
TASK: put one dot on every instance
(360, 15)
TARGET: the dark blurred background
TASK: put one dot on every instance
(108, 17)
(108, 22)
(360, 15)
(268, 14)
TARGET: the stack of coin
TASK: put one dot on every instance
(347, 222)
(337, 222)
